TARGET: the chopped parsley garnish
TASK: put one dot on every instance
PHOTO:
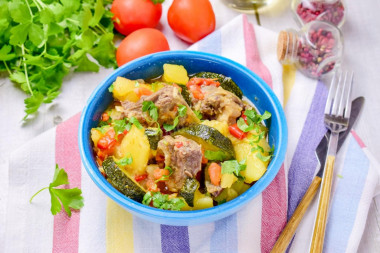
(103, 129)
(233, 167)
(162, 201)
(182, 109)
(110, 89)
(68, 198)
(149, 106)
(119, 126)
(198, 114)
(135, 122)
(124, 161)
(253, 120)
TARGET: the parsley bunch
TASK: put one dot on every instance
(42, 40)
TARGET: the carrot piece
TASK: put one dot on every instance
(158, 173)
(215, 172)
(143, 91)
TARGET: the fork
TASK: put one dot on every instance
(337, 114)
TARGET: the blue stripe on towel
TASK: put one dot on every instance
(224, 238)
(174, 239)
(346, 198)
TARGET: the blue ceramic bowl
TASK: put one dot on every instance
(253, 87)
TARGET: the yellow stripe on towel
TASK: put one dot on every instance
(288, 79)
(119, 229)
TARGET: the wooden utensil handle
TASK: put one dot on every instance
(291, 227)
(321, 220)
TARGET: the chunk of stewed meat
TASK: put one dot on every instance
(219, 104)
(167, 101)
(183, 155)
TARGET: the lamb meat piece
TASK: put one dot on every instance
(219, 104)
(184, 156)
(214, 190)
(166, 100)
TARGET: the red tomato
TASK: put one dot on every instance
(139, 43)
(131, 15)
(191, 20)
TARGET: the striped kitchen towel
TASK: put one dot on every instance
(103, 226)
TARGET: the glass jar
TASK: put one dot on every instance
(315, 50)
(251, 6)
(332, 11)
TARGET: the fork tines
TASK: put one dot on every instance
(338, 104)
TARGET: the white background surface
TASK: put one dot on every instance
(362, 54)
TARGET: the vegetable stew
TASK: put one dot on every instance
(180, 141)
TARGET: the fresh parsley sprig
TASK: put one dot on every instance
(42, 41)
(182, 110)
(68, 198)
(162, 201)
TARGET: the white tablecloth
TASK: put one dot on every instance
(362, 55)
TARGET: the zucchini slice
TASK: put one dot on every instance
(209, 138)
(225, 82)
(188, 190)
(121, 181)
(185, 94)
(154, 136)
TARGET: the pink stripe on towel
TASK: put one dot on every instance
(357, 138)
(66, 230)
(253, 59)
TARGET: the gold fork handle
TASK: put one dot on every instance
(291, 227)
(321, 220)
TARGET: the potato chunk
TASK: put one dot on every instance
(125, 89)
(175, 74)
(222, 127)
(255, 167)
(136, 144)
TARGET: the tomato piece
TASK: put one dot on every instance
(237, 132)
(178, 144)
(158, 173)
(151, 185)
(197, 92)
(105, 117)
(139, 178)
(191, 20)
(215, 172)
(143, 91)
(139, 43)
(107, 142)
(202, 81)
(244, 117)
(131, 15)
(204, 159)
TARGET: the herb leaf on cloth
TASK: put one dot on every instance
(68, 198)
(42, 41)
